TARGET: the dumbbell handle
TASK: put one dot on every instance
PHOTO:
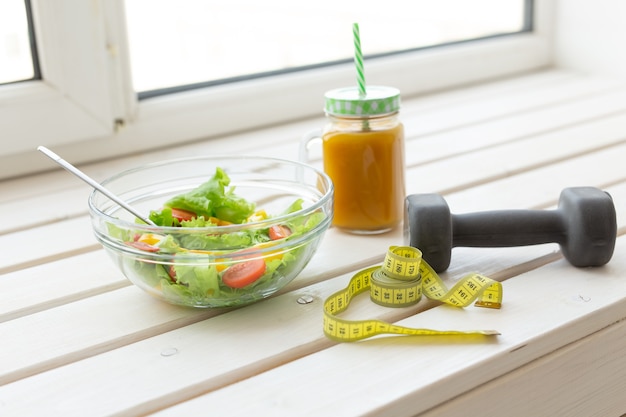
(504, 228)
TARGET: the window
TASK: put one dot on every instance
(81, 94)
(203, 43)
(85, 105)
(17, 51)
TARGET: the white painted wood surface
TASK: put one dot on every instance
(78, 339)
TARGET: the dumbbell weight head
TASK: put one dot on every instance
(591, 224)
(428, 227)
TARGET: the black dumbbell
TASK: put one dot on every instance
(584, 225)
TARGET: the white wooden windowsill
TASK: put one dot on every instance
(78, 339)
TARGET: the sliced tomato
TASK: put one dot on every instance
(243, 274)
(279, 231)
(171, 271)
(143, 246)
(183, 215)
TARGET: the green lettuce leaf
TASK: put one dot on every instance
(213, 199)
(164, 218)
(235, 240)
(201, 280)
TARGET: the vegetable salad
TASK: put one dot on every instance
(219, 268)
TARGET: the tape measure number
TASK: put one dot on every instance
(400, 282)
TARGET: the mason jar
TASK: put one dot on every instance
(363, 154)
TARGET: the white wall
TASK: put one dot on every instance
(590, 35)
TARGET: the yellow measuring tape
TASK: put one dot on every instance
(400, 282)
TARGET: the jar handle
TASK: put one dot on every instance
(305, 143)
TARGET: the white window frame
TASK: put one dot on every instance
(85, 106)
(81, 94)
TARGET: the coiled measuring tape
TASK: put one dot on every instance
(400, 282)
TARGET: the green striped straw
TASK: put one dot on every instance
(358, 60)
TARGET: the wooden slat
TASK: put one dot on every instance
(563, 119)
(56, 283)
(601, 169)
(598, 383)
(81, 329)
(44, 209)
(509, 85)
(501, 105)
(531, 154)
(46, 244)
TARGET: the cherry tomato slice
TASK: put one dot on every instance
(143, 246)
(243, 274)
(279, 231)
(183, 215)
(171, 271)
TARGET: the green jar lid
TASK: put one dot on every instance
(347, 101)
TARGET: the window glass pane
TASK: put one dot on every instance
(16, 58)
(199, 41)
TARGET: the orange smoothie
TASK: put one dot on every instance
(367, 169)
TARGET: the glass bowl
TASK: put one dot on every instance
(221, 265)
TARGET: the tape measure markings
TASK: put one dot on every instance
(400, 282)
